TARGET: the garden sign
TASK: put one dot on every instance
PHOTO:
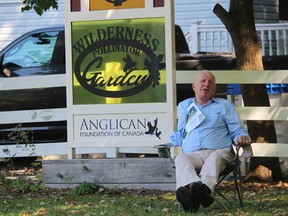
(120, 72)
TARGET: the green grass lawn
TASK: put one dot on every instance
(19, 196)
(266, 200)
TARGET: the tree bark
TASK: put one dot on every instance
(239, 22)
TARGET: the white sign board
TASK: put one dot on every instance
(121, 72)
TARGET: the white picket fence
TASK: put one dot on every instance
(273, 38)
(182, 77)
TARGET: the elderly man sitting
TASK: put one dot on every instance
(207, 127)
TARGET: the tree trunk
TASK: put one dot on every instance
(239, 22)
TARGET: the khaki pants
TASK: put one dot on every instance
(204, 166)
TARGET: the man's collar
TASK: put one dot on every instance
(210, 101)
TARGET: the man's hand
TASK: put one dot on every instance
(243, 140)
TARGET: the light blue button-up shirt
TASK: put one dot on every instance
(221, 125)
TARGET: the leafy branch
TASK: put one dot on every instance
(39, 6)
(20, 136)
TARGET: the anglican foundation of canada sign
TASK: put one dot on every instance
(118, 127)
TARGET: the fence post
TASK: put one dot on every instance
(194, 40)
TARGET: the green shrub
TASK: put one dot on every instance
(86, 188)
(25, 186)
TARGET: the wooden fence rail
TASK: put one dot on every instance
(182, 77)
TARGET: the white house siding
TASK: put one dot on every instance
(13, 23)
(266, 11)
(187, 11)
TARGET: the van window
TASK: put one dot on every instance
(34, 51)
